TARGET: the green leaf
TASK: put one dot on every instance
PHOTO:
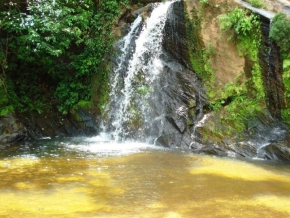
(286, 64)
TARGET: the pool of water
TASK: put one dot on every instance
(84, 177)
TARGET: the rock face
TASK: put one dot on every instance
(157, 94)
(271, 64)
(175, 39)
(265, 136)
(180, 93)
(23, 130)
(11, 130)
(226, 62)
(174, 114)
(177, 105)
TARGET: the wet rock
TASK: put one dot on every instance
(146, 9)
(35, 126)
(11, 130)
(80, 123)
(276, 151)
(175, 38)
(179, 95)
(271, 64)
(264, 137)
(88, 123)
(177, 88)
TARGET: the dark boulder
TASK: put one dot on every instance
(276, 151)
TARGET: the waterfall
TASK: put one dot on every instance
(136, 69)
(271, 64)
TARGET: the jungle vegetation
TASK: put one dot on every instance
(51, 50)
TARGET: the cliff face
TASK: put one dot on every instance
(271, 62)
(196, 44)
(227, 65)
(226, 62)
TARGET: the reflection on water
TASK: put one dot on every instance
(94, 178)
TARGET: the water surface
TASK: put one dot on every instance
(90, 178)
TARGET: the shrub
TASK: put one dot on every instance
(54, 49)
(256, 3)
(238, 20)
(280, 32)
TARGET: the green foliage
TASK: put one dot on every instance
(100, 88)
(242, 103)
(5, 107)
(69, 94)
(195, 44)
(83, 104)
(207, 54)
(143, 90)
(280, 32)
(201, 62)
(285, 113)
(286, 82)
(203, 2)
(59, 44)
(216, 105)
(243, 100)
(256, 79)
(241, 109)
(239, 21)
(255, 3)
(249, 46)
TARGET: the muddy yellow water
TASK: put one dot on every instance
(148, 183)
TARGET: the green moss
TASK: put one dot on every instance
(135, 121)
(83, 104)
(143, 90)
(100, 90)
(4, 110)
(196, 46)
(285, 115)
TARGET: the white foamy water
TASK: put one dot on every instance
(145, 62)
(104, 145)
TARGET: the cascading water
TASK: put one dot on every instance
(157, 98)
(135, 72)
